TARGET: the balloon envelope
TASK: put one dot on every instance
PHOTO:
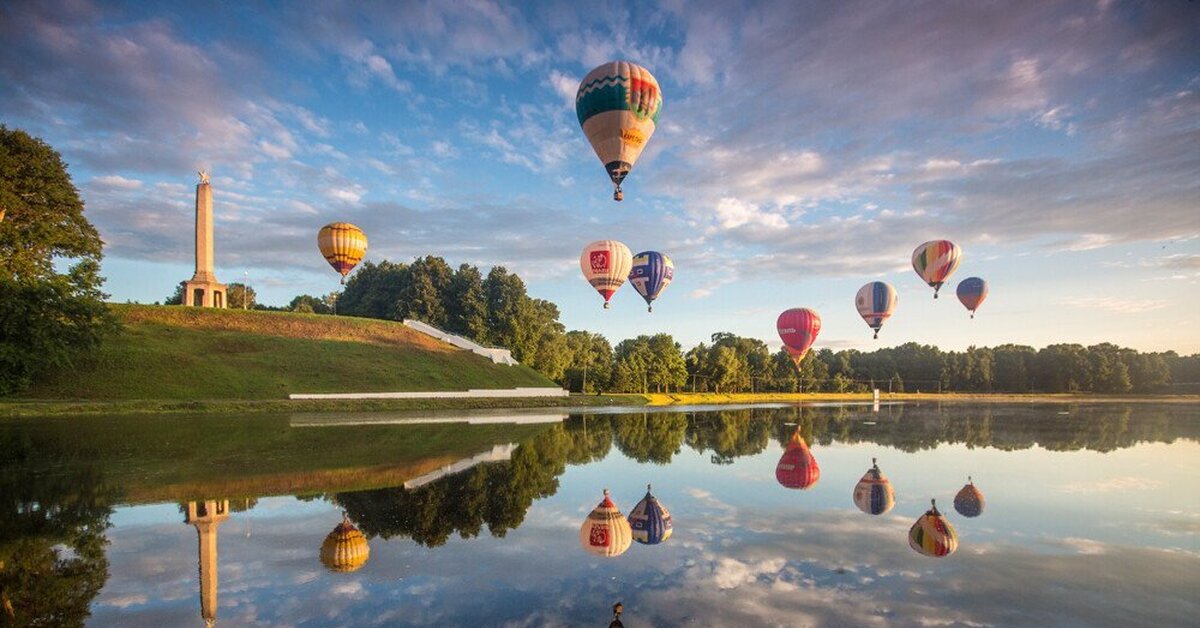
(649, 521)
(932, 535)
(935, 261)
(798, 329)
(652, 272)
(971, 292)
(797, 468)
(605, 532)
(605, 265)
(343, 245)
(875, 302)
(618, 105)
(969, 501)
(874, 494)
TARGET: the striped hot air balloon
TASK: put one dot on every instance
(935, 261)
(932, 535)
(343, 246)
(345, 548)
(971, 293)
(650, 521)
(605, 532)
(605, 265)
(652, 272)
(874, 494)
(875, 302)
(797, 467)
(798, 329)
(969, 501)
(618, 105)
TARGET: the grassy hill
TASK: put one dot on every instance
(178, 353)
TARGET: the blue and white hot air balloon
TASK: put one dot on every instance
(652, 272)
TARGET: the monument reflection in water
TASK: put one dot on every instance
(1085, 522)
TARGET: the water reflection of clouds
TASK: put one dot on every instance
(1108, 485)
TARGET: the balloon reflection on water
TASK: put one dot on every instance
(797, 468)
(874, 494)
(969, 501)
(605, 532)
(932, 534)
(345, 548)
(650, 521)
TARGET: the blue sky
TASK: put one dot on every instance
(804, 149)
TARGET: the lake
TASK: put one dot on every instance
(1090, 516)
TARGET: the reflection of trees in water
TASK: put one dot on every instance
(729, 434)
(495, 494)
(651, 437)
(52, 523)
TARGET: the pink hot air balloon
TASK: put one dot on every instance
(798, 328)
(797, 467)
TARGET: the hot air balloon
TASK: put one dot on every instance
(797, 467)
(650, 521)
(618, 105)
(971, 293)
(652, 272)
(343, 246)
(932, 535)
(935, 261)
(606, 531)
(875, 302)
(605, 264)
(798, 328)
(969, 501)
(345, 548)
(874, 494)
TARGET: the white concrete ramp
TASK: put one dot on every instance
(496, 355)
(474, 393)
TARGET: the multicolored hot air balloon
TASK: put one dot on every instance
(797, 467)
(798, 328)
(606, 264)
(345, 548)
(650, 521)
(971, 293)
(343, 246)
(935, 261)
(932, 535)
(969, 501)
(652, 272)
(874, 494)
(875, 302)
(618, 105)
(606, 532)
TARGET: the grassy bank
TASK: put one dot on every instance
(669, 399)
(172, 355)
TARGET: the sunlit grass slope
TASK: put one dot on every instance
(179, 353)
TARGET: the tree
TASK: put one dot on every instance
(240, 296)
(305, 303)
(466, 305)
(591, 364)
(48, 319)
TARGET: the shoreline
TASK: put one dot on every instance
(18, 408)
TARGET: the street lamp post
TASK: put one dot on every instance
(245, 288)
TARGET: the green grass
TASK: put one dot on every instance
(182, 354)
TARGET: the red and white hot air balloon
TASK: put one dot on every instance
(606, 265)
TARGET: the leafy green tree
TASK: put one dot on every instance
(176, 297)
(373, 290)
(633, 357)
(305, 303)
(1012, 366)
(668, 369)
(424, 292)
(48, 319)
(466, 305)
(240, 296)
(591, 362)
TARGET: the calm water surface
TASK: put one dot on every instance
(1091, 518)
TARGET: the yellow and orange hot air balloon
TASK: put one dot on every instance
(606, 531)
(932, 535)
(343, 246)
(618, 105)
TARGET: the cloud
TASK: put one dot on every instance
(118, 182)
(1124, 484)
(1115, 304)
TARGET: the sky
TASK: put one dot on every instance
(803, 149)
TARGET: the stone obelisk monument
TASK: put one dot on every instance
(203, 289)
(206, 516)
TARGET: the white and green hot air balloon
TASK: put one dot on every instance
(618, 105)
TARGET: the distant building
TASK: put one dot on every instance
(203, 289)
